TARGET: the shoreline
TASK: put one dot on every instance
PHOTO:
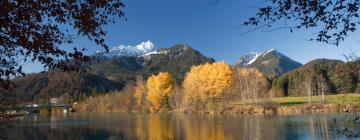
(264, 109)
(6, 117)
(290, 110)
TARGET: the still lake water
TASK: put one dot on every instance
(114, 126)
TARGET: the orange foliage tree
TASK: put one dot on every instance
(206, 83)
(160, 88)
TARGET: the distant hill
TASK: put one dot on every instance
(271, 62)
(317, 76)
(109, 72)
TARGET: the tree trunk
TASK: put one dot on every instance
(309, 92)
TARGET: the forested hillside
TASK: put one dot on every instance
(318, 77)
(42, 87)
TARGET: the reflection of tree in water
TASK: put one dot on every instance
(203, 127)
(255, 128)
(160, 127)
(319, 127)
(155, 126)
(316, 127)
(3, 127)
(349, 126)
(57, 128)
(173, 126)
(62, 133)
(235, 127)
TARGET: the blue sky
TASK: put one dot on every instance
(210, 29)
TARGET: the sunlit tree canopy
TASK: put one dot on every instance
(159, 89)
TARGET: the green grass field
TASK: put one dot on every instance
(291, 101)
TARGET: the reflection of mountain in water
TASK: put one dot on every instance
(171, 126)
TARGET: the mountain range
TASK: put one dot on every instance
(122, 50)
(270, 62)
(176, 60)
(123, 64)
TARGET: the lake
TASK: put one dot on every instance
(114, 126)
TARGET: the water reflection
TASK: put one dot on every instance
(171, 126)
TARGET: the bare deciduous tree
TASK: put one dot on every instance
(334, 19)
(250, 84)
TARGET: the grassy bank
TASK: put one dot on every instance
(295, 101)
(296, 105)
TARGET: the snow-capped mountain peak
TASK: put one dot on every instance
(268, 51)
(122, 50)
(250, 58)
(270, 62)
(145, 46)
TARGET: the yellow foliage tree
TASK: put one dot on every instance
(207, 82)
(159, 89)
(140, 94)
